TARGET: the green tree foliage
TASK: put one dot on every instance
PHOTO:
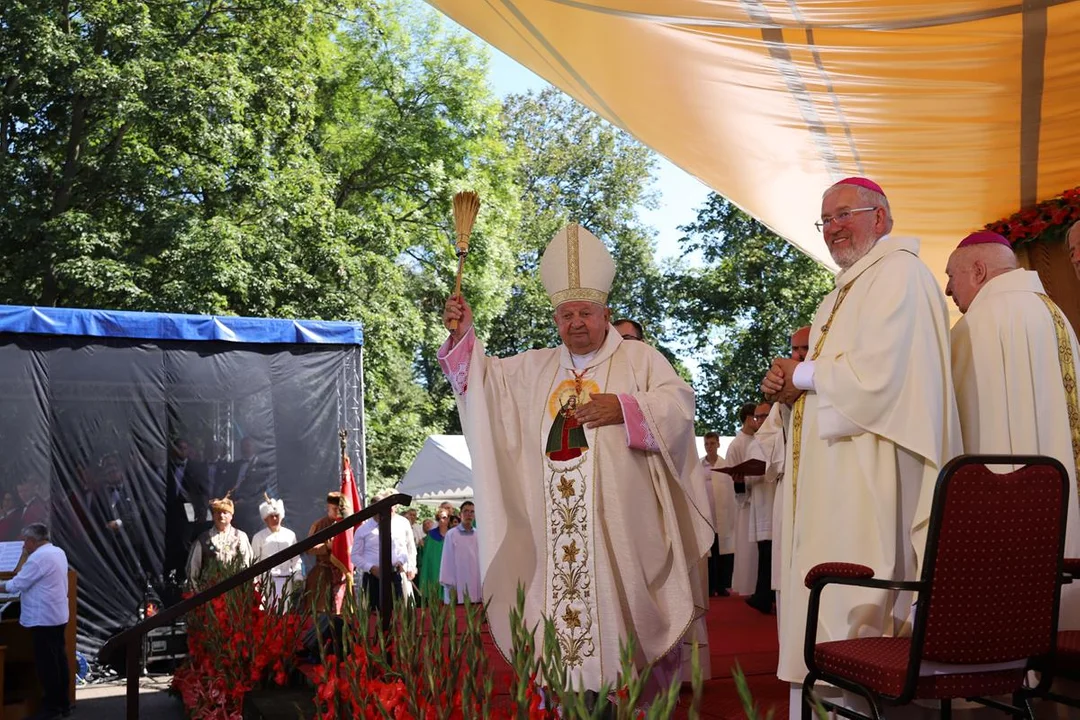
(574, 166)
(737, 312)
(258, 158)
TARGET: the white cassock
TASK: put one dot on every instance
(772, 438)
(573, 515)
(744, 576)
(460, 569)
(722, 503)
(1007, 354)
(872, 437)
(267, 543)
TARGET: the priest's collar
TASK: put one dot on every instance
(1018, 280)
(579, 362)
(885, 245)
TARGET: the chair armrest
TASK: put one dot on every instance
(837, 570)
(1072, 570)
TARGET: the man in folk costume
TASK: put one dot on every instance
(575, 519)
(325, 585)
(1014, 362)
(272, 539)
(873, 421)
(772, 436)
(219, 547)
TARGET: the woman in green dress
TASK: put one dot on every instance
(431, 561)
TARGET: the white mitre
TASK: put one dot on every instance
(272, 507)
(577, 266)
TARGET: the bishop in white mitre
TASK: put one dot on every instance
(583, 459)
(1014, 360)
(873, 421)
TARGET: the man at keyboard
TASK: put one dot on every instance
(43, 585)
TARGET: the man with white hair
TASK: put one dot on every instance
(583, 456)
(271, 540)
(365, 554)
(873, 421)
(1073, 238)
(1014, 361)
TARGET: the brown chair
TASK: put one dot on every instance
(988, 597)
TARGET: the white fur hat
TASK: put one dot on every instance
(272, 507)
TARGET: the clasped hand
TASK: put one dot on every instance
(602, 409)
(778, 385)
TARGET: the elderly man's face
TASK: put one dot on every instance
(800, 344)
(582, 325)
(222, 518)
(1074, 248)
(963, 286)
(850, 239)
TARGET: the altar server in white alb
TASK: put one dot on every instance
(873, 421)
(459, 572)
(1014, 360)
(742, 448)
(271, 540)
(772, 436)
(583, 456)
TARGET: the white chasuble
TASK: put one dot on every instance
(866, 446)
(1008, 355)
(604, 539)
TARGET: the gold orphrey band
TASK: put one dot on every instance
(1068, 378)
(797, 411)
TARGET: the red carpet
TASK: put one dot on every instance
(739, 635)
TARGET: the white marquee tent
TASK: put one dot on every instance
(442, 470)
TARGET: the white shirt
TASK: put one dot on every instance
(267, 543)
(460, 567)
(709, 487)
(43, 585)
(365, 551)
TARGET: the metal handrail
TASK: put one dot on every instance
(132, 638)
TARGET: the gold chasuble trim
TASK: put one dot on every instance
(1068, 377)
(800, 404)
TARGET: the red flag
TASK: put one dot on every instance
(341, 550)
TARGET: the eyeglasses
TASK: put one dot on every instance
(628, 336)
(761, 417)
(843, 217)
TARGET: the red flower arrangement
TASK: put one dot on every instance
(234, 646)
(1048, 221)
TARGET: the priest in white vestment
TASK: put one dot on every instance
(584, 457)
(873, 421)
(459, 571)
(720, 493)
(742, 448)
(1011, 353)
(772, 437)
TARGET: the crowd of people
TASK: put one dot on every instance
(435, 559)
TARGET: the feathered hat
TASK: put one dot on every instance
(271, 507)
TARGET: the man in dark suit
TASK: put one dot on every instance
(186, 502)
(252, 477)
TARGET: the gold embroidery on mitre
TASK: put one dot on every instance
(573, 258)
(579, 293)
(1068, 379)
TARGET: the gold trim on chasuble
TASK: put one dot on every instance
(570, 600)
(1068, 377)
(800, 404)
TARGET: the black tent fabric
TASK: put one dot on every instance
(118, 443)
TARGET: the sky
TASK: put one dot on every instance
(680, 194)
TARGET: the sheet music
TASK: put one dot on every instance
(10, 552)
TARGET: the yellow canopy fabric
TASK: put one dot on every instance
(964, 111)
